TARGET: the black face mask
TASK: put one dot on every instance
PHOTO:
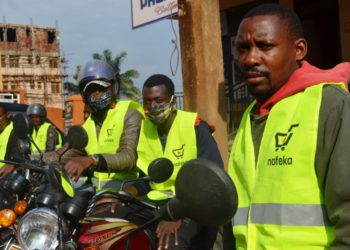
(100, 107)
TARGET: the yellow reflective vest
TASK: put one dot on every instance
(280, 204)
(40, 138)
(181, 146)
(108, 140)
(4, 138)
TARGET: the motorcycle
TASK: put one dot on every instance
(54, 221)
(118, 232)
(214, 205)
(40, 207)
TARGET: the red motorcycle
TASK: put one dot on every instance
(119, 232)
(214, 205)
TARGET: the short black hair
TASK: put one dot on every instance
(159, 79)
(285, 14)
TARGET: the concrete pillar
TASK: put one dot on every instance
(202, 65)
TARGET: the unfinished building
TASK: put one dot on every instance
(31, 65)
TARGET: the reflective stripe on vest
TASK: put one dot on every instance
(108, 140)
(280, 203)
(181, 146)
(4, 139)
(283, 214)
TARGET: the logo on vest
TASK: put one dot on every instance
(109, 131)
(282, 139)
(179, 152)
(281, 142)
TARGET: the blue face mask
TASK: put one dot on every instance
(102, 103)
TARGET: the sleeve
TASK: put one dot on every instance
(12, 148)
(52, 139)
(206, 145)
(333, 161)
(125, 157)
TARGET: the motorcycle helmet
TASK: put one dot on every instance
(99, 72)
(36, 109)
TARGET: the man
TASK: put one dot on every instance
(9, 146)
(290, 160)
(45, 135)
(179, 136)
(111, 127)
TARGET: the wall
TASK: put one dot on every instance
(344, 23)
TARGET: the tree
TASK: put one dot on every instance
(127, 88)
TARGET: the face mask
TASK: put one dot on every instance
(159, 113)
(103, 103)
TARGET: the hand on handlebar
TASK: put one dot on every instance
(7, 168)
(164, 230)
(76, 166)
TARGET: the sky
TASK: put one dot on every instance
(90, 26)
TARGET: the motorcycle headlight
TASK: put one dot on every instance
(38, 229)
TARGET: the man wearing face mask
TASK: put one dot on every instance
(179, 136)
(111, 127)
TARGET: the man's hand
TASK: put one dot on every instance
(164, 231)
(77, 166)
(7, 168)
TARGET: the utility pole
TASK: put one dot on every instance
(202, 65)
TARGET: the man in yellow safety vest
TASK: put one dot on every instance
(290, 157)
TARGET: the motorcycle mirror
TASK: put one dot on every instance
(160, 170)
(204, 193)
(66, 183)
(77, 137)
(59, 179)
(22, 126)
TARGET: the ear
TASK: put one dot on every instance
(300, 49)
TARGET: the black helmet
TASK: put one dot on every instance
(99, 72)
(36, 109)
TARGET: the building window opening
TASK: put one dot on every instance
(27, 31)
(14, 61)
(1, 34)
(13, 85)
(55, 88)
(30, 60)
(32, 85)
(53, 63)
(51, 37)
(3, 61)
(40, 85)
(11, 35)
(37, 59)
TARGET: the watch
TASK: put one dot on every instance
(96, 159)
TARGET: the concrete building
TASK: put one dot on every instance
(30, 65)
